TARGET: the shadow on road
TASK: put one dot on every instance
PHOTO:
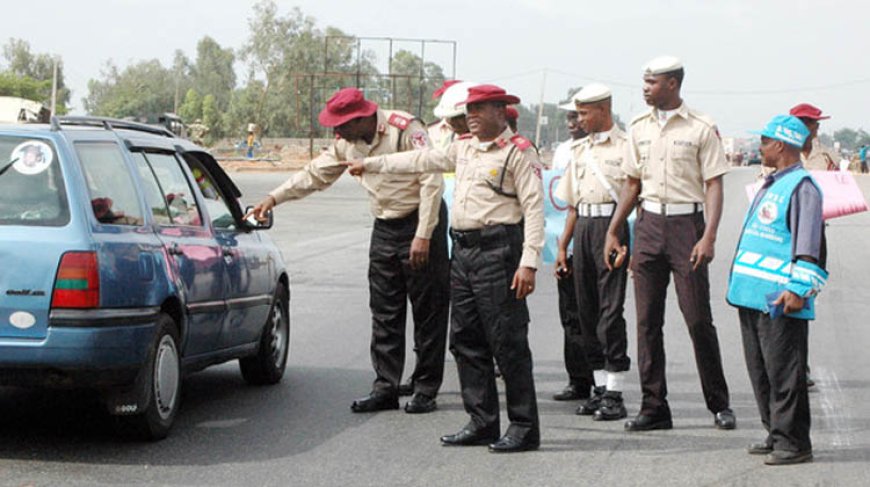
(222, 420)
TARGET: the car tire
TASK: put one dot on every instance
(267, 366)
(161, 386)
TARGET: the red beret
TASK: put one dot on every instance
(805, 110)
(440, 91)
(512, 114)
(482, 93)
(345, 105)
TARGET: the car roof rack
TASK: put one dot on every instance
(108, 124)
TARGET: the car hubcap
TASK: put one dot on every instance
(166, 377)
(279, 335)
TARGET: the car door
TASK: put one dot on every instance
(193, 253)
(250, 270)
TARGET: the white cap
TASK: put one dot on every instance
(662, 65)
(447, 105)
(592, 93)
(568, 106)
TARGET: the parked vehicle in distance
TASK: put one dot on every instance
(127, 263)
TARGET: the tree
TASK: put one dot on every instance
(23, 86)
(191, 109)
(847, 138)
(210, 115)
(143, 90)
(22, 62)
(418, 82)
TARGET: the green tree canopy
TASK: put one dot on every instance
(21, 62)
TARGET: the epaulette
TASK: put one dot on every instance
(466, 135)
(521, 142)
(640, 117)
(399, 121)
(705, 119)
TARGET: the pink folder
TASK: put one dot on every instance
(841, 194)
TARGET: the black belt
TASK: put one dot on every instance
(485, 237)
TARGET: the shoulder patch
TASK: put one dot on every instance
(521, 142)
(419, 139)
(640, 117)
(465, 136)
(399, 121)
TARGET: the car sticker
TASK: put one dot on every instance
(33, 157)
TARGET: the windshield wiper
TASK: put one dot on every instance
(7, 166)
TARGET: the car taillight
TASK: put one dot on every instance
(78, 281)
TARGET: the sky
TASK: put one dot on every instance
(745, 61)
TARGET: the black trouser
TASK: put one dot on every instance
(776, 358)
(663, 245)
(487, 321)
(600, 296)
(392, 283)
(579, 371)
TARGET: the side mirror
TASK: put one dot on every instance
(254, 224)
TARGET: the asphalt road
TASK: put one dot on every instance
(302, 432)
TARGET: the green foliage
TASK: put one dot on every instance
(35, 72)
(191, 109)
(409, 93)
(851, 139)
(292, 67)
(23, 87)
(145, 89)
(211, 117)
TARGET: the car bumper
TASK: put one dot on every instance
(89, 348)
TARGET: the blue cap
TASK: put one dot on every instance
(785, 128)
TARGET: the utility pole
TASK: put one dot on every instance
(54, 88)
(540, 109)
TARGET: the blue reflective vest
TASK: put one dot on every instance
(763, 263)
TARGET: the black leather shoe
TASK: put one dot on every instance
(421, 403)
(782, 457)
(592, 404)
(374, 402)
(469, 437)
(612, 407)
(406, 389)
(760, 448)
(642, 422)
(570, 393)
(512, 444)
(725, 420)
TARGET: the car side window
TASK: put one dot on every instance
(153, 194)
(215, 204)
(175, 189)
(114, 199)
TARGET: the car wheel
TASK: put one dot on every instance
(267, 366)
(161, 384)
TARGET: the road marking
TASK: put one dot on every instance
(833, 406)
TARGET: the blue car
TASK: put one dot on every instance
(125, 263)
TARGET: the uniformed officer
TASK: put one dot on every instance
(580, 380)
(451, 113)
(675, 168)
(775, 276)
(814, 155)
(497, 225)
(408, 251)
(591, 185)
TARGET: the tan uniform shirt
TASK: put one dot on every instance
(674, 161)
(820, 158)
(579, 184)
(478, 168)
(441, 135)
(391, 195)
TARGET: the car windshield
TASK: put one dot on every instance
(32, 190)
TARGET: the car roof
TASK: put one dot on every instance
(134, 135)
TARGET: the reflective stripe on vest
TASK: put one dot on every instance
(762, 264)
